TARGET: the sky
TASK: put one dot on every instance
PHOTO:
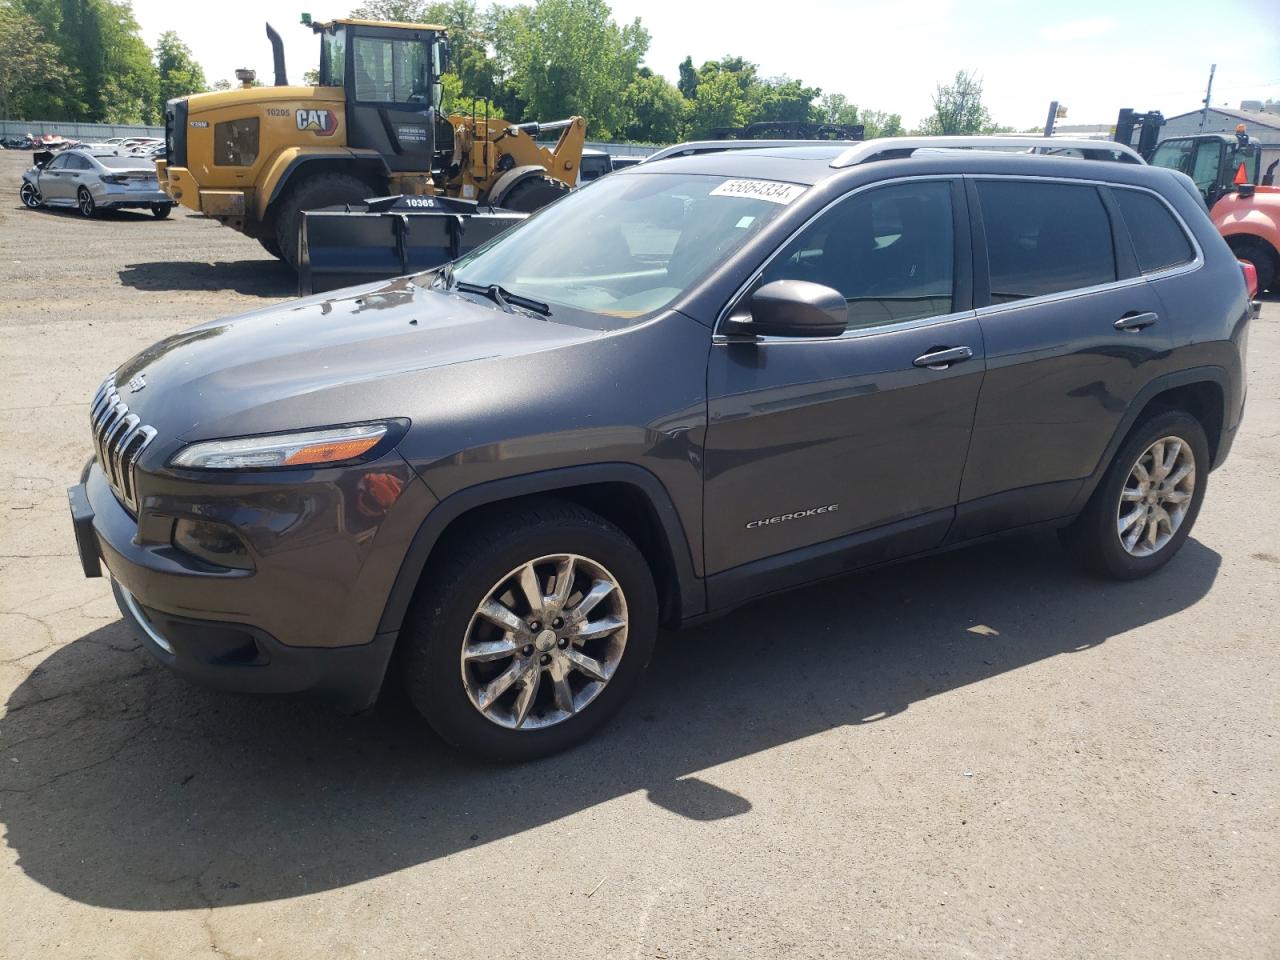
(1094, 57)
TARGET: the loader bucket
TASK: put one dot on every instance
(390, 237)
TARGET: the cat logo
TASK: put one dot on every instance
(323, 122)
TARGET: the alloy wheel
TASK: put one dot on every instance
(1156, 496)
(544, 642)
(30, 195)
(86, 203)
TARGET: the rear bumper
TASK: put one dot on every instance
(116, 199)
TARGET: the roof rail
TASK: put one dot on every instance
(892, 147)
(691, 147)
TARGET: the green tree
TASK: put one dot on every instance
(29, 64)
(688, 84)
(570, 57)
(835, 108)
(879, 123)
(958, 107)
(655, 109)
(178, 74)
(780, 98)
(112, 75)
(719, 103)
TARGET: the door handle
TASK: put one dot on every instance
(1136, 321)
(942, 357)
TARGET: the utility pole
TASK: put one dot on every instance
(1208, 92)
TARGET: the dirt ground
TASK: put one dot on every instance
(984, 754)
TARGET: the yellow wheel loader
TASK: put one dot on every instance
(257, 158)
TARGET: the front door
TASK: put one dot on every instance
(55, 180)
(849, 449)
(390, 94)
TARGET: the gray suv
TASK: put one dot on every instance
(698, 383)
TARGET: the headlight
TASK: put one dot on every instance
(305, 449)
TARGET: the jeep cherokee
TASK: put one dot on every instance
(702, 381)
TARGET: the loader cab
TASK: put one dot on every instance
(1212, 160)
(391, 75)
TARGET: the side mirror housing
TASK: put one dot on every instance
(793, 308)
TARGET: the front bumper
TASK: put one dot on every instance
(233, 656)
(240, 630)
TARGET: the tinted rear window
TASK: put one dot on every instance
(1158, 240)
(1044, 238)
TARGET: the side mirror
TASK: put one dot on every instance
(793, 308)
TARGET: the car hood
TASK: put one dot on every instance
(361, 353)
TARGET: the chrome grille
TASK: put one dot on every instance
(119, 438)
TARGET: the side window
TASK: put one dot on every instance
(1044, 238)
(76, 162)
(1173, 155)
(1207, 163)
(890, 251)
(389, 71)
(1158, 240)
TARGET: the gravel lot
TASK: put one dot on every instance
(984, 754)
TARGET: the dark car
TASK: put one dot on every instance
(696, 384)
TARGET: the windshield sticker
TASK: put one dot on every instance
(770, 190)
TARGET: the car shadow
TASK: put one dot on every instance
(254, 278)
(125, 787)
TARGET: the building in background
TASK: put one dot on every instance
(1261, 121)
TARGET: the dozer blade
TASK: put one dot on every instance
(391, 236)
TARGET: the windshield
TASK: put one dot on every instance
(629, 245)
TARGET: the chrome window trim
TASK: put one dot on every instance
(1074, 292)
(719, 336)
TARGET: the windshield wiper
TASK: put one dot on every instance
(503, 297)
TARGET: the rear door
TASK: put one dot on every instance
(851, 446)
(1071, 332)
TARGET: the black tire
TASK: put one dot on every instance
(309, 193)
(1093, 537)
(161, 211)
(30, 195)
(1263, 257)
(269, 244)
(533, 193)
(85, 203)
(474, 560)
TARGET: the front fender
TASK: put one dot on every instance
(288, 161)
(692, 594)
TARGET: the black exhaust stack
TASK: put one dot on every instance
(277, 56)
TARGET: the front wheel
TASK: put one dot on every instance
(1146, 504)
(531, 633)
(85, 203)
(161, 211)
(311, 193)
(31, 198)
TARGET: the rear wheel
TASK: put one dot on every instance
(531, 633)
(318, 190)
(85, 203)
(533, 193)
(269, 244)
(1146, 504)
(161, 211)
(1264, 259)
(31, 198)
